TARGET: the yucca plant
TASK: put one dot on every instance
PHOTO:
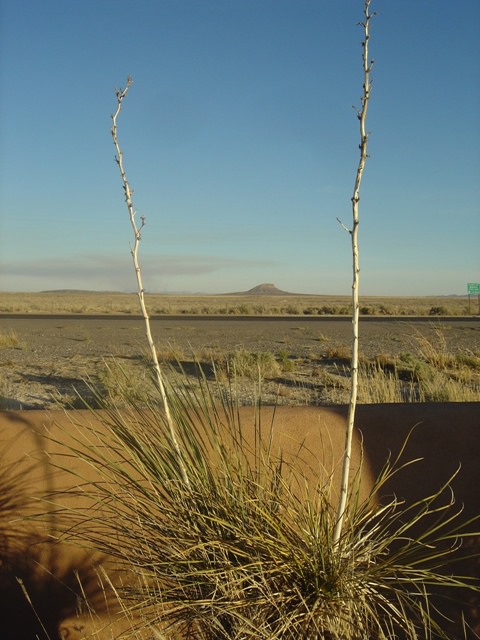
(223, 537)
(246, 548)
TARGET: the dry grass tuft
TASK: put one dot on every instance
(10, 340)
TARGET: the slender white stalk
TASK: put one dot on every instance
(362, 117)
(137, 232)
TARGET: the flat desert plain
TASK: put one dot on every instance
(46, 360)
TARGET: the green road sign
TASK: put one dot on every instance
(473, 288)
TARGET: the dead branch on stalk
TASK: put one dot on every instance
(121, 95)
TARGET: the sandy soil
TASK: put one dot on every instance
(54, 355)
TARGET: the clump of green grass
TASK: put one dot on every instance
(245, 549)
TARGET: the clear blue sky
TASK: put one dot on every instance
(241, 144)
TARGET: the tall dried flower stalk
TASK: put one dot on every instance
(137, 232)
(362, 117)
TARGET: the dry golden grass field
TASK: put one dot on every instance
(229, 304)
(52, 343)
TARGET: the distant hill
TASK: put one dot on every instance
(78, 291)
(265, 289)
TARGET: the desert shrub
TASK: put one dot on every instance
(172, 352)
(334, 310)
(387, 310)
(442, 388)
(343, 310)
(260, 309)
(339, 353)
(253, 364)
(292, 310)
(244, 309)
(327, 310)
(468, 359)
(245, 548)
(286, 363)
(415, 368)
(10, 340)
(435, 351)
(385, 361)
(422, 381)
(379, 384)
(438, 310)
(367, 310)
(120, 381)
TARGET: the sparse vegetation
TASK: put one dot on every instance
(10, 340)
(339, 353)
(92, 303)
(440, 310)
(418, 363)
(123, 381)
(259, 365)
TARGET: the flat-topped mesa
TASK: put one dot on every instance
(266, 289)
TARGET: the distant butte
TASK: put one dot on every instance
(265, 289)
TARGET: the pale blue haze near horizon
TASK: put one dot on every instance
(241, 144)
